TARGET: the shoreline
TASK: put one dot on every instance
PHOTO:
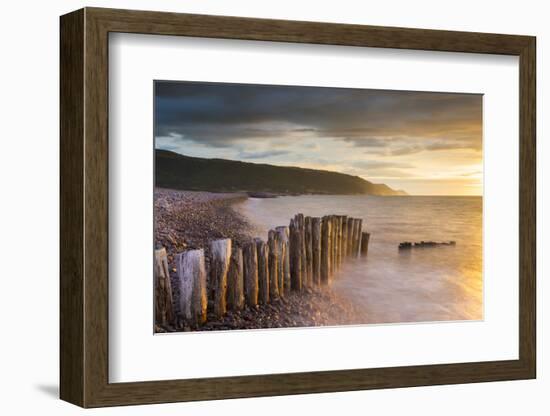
(191, 219)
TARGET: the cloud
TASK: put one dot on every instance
(263, 155)
(389, 122)
(368, 142)
(377, 164)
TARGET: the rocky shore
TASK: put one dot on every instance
(187, 220)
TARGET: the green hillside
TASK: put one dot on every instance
(220, 175)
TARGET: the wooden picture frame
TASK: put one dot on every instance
(84, 207)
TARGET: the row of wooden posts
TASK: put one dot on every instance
(305, 254)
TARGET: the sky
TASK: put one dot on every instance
(424, 143)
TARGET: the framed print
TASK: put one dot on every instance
(260, 207)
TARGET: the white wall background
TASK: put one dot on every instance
(29, 208)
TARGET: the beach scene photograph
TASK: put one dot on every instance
(303, 206)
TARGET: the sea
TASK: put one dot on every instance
(443, 283)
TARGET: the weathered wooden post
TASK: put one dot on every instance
(365, 243)
(333, 244)
(325, 249)
(359, 231)
(263, 271)
(344, 249)
(338, 241)
(309, 251)
(336, 244)
(284, 285)
(329, 244)
(192, 284)
(280, 263)
(164, 310)
(235, 281)
(344, 236)
(220, 253)
(316, 249)
(250, 273)
(273, 246)
(355, 237)
(303, 251)
(295, 256)
(350, 231)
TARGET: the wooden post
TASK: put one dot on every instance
(220, 253)
(305, 275)
(235, 282)
(344, 220)
(316, 249)
(250, 273)
(303, 255)
(284, 286)
(355, 237)
(338, 241)
(344, 237)
(192, 284)
(351, 229)
(263, 271)
(365, 243)
(164, 309)
(329, 245)
(273, 245)
(351, 221)
(359, 232)
(333, 245)
(295, 248)
(309, 251)
(325, 250)
(280, 264)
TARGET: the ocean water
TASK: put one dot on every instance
(441, 283)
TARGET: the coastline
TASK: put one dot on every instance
(191, 219)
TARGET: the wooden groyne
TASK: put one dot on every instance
(308, 253)
(406, 245)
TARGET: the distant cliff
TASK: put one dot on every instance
(221, 175)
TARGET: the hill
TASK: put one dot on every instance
(221, 175)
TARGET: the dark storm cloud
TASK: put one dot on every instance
(384, 122)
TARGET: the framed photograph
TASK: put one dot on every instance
(255, 207)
